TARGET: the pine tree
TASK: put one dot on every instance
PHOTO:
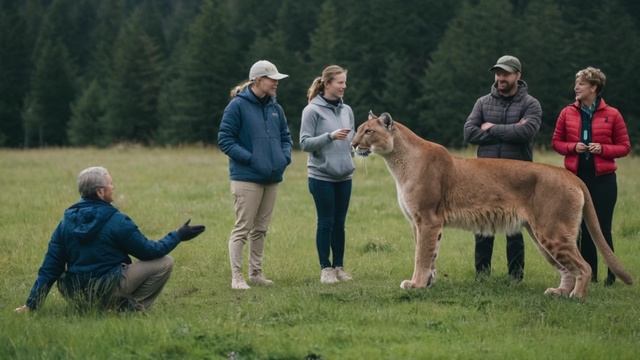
(395, 93)
(71, 23)
(193, 102)
(325, 46)
(134, 84)
(14, 72)
(46, 108)
(110, 16)
(84, 127)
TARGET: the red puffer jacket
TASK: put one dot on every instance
(607, 128)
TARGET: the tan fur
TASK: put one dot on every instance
(486, 196)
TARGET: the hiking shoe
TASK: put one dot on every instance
(328, 276)
(259, 279)
(342, 275)
(238, 283)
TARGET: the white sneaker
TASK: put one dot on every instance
(238, 283)
(328, 276)
(342, 275)
(259, 279)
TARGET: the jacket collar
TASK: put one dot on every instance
(248, 95)
(320, 101)
(601, 104)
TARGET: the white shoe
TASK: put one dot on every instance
(328, 276)
(259, 279)
(238, 283)
(342, 275)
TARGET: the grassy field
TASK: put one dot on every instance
(199, 316)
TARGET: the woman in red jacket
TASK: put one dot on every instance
(591, 134)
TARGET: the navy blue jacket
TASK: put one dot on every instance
(92, 242)
(256, 138)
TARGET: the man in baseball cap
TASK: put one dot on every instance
(265, 68)
(503, 124)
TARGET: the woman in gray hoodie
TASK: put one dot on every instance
(326, 132)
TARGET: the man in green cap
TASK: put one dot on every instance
(503, 124)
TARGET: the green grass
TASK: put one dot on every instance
(198, 316)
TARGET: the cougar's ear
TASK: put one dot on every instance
(386, 120)
(371, 115)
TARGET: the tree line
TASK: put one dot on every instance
(158, 72)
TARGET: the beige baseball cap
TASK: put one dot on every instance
(265, 68)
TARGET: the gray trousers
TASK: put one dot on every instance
(142, 281)
(253, 205)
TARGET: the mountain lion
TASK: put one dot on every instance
(485, 196)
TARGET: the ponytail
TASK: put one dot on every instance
(238, 88)
(316, 87)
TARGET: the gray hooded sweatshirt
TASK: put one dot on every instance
(329, 160)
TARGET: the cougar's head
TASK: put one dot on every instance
(374, 135)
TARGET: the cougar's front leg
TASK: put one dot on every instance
(427, 244)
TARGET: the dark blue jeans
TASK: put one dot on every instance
(604, 193)
(332, 204)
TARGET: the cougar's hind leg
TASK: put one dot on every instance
(560, 243)
(427, 243)
(584, 273)
(567, 280)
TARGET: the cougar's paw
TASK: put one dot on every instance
(577, 294)
(432, 279)
(406, 284)
(556, 292)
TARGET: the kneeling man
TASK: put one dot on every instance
(89, 252)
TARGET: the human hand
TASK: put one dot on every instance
(188, 232)
(486, 126)
(340, 134)
(581, 147)
(22, 309)
(522, 122)
(595, 148)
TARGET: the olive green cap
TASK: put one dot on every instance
(508, 63)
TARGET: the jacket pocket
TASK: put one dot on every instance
(260, 157)
(339, 165)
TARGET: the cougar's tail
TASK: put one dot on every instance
(591, 219)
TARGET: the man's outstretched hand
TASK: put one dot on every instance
(188, 232)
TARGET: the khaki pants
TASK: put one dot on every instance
(142, 281)
(253, 205)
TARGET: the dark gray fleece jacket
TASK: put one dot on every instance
(506, 139)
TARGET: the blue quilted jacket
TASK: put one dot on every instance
(256, 138)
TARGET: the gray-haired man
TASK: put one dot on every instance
(88, 253)
(503, 124)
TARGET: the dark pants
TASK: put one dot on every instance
(515, 254)
(332, 203)
(604, 192)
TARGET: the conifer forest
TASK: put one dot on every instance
(158, 72)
